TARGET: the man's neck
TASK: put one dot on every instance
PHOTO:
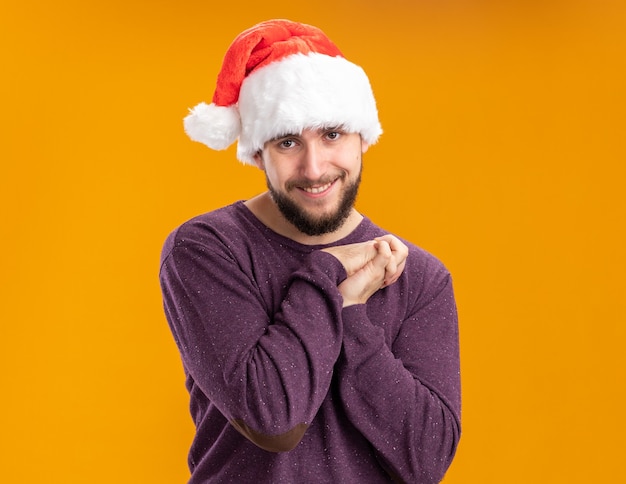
(266, 210)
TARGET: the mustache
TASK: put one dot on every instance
(306, 183)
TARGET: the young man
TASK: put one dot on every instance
(318, 348)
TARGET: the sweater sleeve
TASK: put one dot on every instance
(267, 373)
(406, 399)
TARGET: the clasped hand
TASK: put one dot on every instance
(370, 266)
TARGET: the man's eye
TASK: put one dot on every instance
(287, 143)
(332, 135)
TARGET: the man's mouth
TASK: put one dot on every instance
(317, 189)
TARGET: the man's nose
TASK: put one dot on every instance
(313, 162)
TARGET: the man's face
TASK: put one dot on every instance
(314, 177)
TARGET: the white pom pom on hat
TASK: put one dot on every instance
(281, 77)
(216, 126)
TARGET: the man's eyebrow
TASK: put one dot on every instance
(319, 130)
(286, 135)
(331, 128)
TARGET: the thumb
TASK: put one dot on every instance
(383, 256)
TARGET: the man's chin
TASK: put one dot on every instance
(315, 223)
(311, 223)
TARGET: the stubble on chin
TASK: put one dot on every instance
(310, 224)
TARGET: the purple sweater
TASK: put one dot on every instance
(284, 384)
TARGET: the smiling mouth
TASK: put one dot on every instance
(318, 189)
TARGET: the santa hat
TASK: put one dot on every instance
(281, 77)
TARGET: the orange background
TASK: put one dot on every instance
(502, 155)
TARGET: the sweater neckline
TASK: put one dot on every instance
(354, 236)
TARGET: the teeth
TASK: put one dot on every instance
(317, 189)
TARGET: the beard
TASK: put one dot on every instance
(316, 225)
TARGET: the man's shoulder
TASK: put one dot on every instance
(223, 219)
(415, 250)
(223, 225)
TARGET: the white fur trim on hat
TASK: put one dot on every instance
(215, 126)
(304, 91)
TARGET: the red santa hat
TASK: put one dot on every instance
(281, 77)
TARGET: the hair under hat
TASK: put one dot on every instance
(281, 77)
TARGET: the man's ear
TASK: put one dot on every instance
(364, 146)
(258, 160)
